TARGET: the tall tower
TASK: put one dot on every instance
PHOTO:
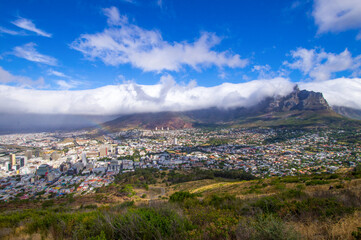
(13, 159)
(83, 159)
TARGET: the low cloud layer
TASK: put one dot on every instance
(131, 98)
(338, 92)
(167, 95)
(126, 43)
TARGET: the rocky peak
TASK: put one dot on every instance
(298, 100)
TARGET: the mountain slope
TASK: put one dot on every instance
(348, 112)
(301, 108)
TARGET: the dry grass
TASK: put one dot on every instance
(19, 234)
(215, 186)
(341, 229)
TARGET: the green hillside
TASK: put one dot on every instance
(197, 204)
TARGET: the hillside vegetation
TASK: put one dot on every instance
(197, 204)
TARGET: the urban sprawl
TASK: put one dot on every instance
(54, 164)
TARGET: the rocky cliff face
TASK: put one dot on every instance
(298, 100)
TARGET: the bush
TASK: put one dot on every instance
(128, 190)
(268, 204)
(223, 201)
(181, 196)
(47, 203)
(357, 234)
(292, 193)
(267, 227)
(150, 223)
(316, 182)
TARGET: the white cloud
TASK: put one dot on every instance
(338, 92)
(264, 71)
(114, 17)
(30, 26)
(129, 97)
(11, 32)
(66, 85)
(320, 65)
(29, 52)
(125, 43)
(6, 78)
(130, 1)
(337, 15)
(56, 73)
(222, 75)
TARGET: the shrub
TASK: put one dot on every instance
(292, 193)
(150, 223)
(267, 227)
(357, 234)
(181, 196)
(316, 182)
(47, 203)
(223, 201)
(268, 204)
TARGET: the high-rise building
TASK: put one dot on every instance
(22, 160)
(83, 159)
(37, 153)
(13, 159)
(8, 165)
(29, 154)
(105, 150)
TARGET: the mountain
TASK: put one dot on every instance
(171, 120)
(300, 108)
(348, 112)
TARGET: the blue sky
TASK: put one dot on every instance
(154, 50)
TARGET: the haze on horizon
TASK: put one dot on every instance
(129, 56)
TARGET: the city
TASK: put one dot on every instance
(46, 165)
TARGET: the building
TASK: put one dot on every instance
(114, 166)
(83, 159)
(127, 165)
(12, 159)
(105, 150)
(65, 166)
(29, 154)
(22, 160)
(43, 170)
(8, 165)
(54, 156)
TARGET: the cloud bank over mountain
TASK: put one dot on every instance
(338, 92)
(168, 95)
(130, 97)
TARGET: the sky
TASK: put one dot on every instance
(111, 57)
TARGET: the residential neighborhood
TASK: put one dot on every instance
(56, 164)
